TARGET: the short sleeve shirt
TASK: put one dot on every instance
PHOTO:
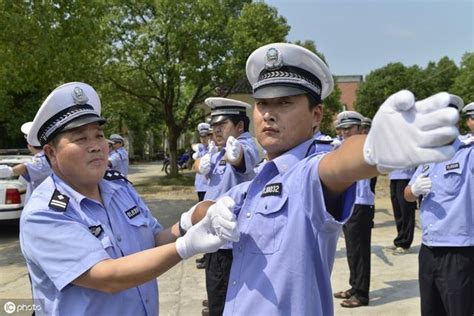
(63, 234)
(119, 159)
(38, 170)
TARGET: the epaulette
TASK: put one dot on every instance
(58, 201)
(115, 175)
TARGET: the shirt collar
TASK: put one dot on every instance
(290, 158)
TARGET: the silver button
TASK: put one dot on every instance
(248, 214)
(234, 283)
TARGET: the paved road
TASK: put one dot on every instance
(394, 286)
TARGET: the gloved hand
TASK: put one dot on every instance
(185, 221)
(6, 171)
(203, 237)
(196, 148)
(406, 134)
(233, 149)
(421, 186)
(212, 148)
(223, 219)
(205, 164)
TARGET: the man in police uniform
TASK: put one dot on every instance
(91, 245)
(33, 172)
(201, 182)
(234, 163)
(468, 110)
(358, 229)
(446, 258)
(290, 215)
(118, 157)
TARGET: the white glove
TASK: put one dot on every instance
(195, 156)
(6, 171)
(205, 164)
(185, 221)
(223, 220)
(202, 238)
(406, 134)
(336, 143)
(421, 186)
(233, 149)
(196, 148)
(212, 148)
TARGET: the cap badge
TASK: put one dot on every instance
(79, 96)
(273, 59)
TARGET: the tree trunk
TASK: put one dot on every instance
(173, 135)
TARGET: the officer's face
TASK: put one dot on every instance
(470, 123)
(350, 131)
(79, 156)
(282, 123)
(204, 139)
(224, 129)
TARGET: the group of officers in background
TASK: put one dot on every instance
(269, 230)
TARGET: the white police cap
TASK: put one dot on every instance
(223, 108)
(203, 129)
(116, 138)
(469, 109)
(69, 106)
(283, 69)
(25, 129)
(349, 118)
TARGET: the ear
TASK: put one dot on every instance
(240, 127)
(317, 114)
(51, 153)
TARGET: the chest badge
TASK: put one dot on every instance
(452, 166)
(272, 189)
(131, 213)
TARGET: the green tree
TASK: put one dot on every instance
(44, 44)
(172, 54)
(464, 83)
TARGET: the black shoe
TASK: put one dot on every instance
(201, 265)
(200, 260)
(205, 311)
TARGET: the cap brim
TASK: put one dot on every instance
(218, 118)
(348, 124)
(277, 91)
(84, 121)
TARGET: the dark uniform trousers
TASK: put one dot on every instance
(218, 266)
(404, 213)
(357, 233)
(446, 276)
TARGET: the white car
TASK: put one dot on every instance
(12, 190)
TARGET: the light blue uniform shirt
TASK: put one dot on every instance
(283, 260)
(223, 176)
(322, 147)
(364, 194)
(38, 170)
(201, 182)
(119, 159)
(401, 174)
(60, 245)
(447, 211)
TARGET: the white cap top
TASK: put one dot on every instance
(25, 129)
(349, 118)
(203, 129)
(469, 109)
(69, 106)
(283, 69)
(116, 138)
(222, 108)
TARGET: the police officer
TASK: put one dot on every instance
(91, 245)
(33, 172)
(358, 229)
(200, 182)
(234, 163)
(446, 258)
(468, 110)
(290, 215)
(118, 157)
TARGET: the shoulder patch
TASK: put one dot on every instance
(324, 141)
(114, 175)
(58, 201)
(131, 213)
(96, 230)
(425, 168)
(272, 189)
(452, 166)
